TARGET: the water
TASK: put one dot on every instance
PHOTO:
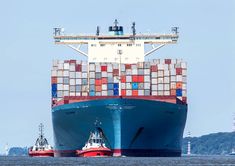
(119, 161)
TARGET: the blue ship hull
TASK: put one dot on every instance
(132, 127)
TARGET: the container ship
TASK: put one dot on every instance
(137, 103)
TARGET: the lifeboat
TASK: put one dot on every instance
(95, 146)
(41, 147)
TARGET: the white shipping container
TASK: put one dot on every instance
(104, 93)
(166, 79)
(166, 73)
(173, 78)
(160, 87)
(78, 62)
(55, 62)
(123, 85)
(184, 86)
(54, 73)
(173, 85)
(72, 74)
(154, 74)
(72, 88)
(66, 73)
(72, 67)
(123, 68)
(72, 81)
(60, 87)
(54, 67)
(110, 75)
(109, 68)
(184, 79)
(128, 78)
(66, 66)
(78, 93)
(166, 67)
(84, 94)
(160, 73)
(66, 93)
(66, 87)
(128, 72)
(140, 92)
(171, 66)
(84, 88)
(160, 67)
(146, 78)
(116, 79)
(184, 93)
(146, 85)
(78, 74)
(91, 67)
(60, 94)
(160, 80)
(166, 93)
(92, 74)
(78, 81)
(84, 75)
(146, 71)
(154, 93)
(61, 62)
(180, 98)
(97, 68)
(178, 65)
(173, 72)
(154, 81)
(104, 87)
(60, 66)
(179, 78)
(60, 73)
(134, 71)
(84, 67)
(60, 80)
(154, 87)
(167, 87)
(128, 86)
(184, 72)
(104, 74)
(97, 93)
(128, 92)
(160, 93)
(183, 65)
(173, 61)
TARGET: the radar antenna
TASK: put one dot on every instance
(115, 22)
(41, 130)
(175, 30)
(133, 29)
(97, 31)
(57, 31)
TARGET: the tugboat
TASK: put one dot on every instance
(95, 146)
(41, 147)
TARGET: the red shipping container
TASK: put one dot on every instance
(140, 78)
(134, 78)
(115, 72)
(123, 79)
(78, 67)
(179, 85)
(98, 82)
(103, 68)
(98, 88)
(168, 61)
(123, 92)
(72, 61)
(104, 80)
(53, 80)
(134, 92)
(128, 66)
(154, 68)
(184, 99)
(178, 71)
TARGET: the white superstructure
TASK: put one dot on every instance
(116, 47)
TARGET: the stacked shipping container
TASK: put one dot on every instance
(157, 77)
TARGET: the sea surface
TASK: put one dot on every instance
(119, 161)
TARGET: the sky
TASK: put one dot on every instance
(206, 42)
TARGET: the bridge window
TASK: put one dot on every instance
(119, 45)
(93, 45)
(138, 45)
(102, 45)
(129, 45)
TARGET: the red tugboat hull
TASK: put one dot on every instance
(41, 153)
(95, 152)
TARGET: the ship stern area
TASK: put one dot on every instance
(131, 127)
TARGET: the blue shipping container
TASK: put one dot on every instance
(178, 92)
(110, 86)
(115, 85)
(54, 94)
(134, 85)
(92, 93)
(54, 87)
(115, 92)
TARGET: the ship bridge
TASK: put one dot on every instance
(116, 46)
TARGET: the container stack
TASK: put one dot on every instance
(165, 77)
(69, 78)
(103, 79)
(135, 79)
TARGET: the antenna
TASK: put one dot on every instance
(189, 144)
(133, 29)
(97, 31)
(57, 31)
(41, 130)
(175, 30)
(233, 122)
(115, 22)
